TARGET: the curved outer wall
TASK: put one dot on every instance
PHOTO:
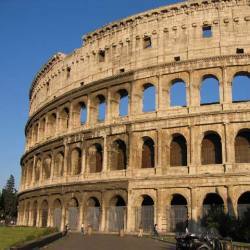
(66, 162)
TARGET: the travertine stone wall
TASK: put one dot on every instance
(68, 162)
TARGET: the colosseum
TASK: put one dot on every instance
(122, 134)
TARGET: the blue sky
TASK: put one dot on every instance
(30, 32)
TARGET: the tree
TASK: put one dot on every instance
(1, 206)
(9, 200)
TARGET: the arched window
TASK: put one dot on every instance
(241, 87)
(95, 160)
(36, 133)
(58, 164)
(46, 168)
(116, 214)
(92, 216)
(45, 210)
(38, 169)
(76, 161)
(178, 93)
(178, 151)
(42, 129)
(52, 124)
(148, 155)
(148, 97)
(65, 119)
(178, 214)
(242, 147)
(34, 207)
(243, 204)
(118, 155)
(211, 152)
(212, 201)
(57, 214)
(73, 214)
(209, 90)
(145, 214)
(123, 102)
(101, 108)
(83, 113)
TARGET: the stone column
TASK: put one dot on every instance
(161, 211)
(193, 161)
(33, 171)
(159, 150)
(105, 155)
(195, 210)
(227, 86)
(65, 162)
(193, 90)
(130, 213)
(63, 222)
(232, 202)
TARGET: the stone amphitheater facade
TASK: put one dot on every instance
(130, 171)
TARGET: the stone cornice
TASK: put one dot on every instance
(45, 69)
(184, 7)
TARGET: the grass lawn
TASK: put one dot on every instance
(10, 236)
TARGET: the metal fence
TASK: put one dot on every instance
(57, 218)
(178, 218)
(242, 208)
(214, 207)
(92, 217)
(116, 218)
(144, 218)
(73, 216)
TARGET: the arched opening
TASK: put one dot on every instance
(178, 214)
(64, 119)
(37, 170)
(93, 210)
(44, 213)
(178, 151)
(148, 98)
(73, 214)
(123, 102)
(145, 214)
(46, 168)
(178, 93)
(211, 150)
(27, 214)
(35, 206)
(243, 204)
(242, 146)
(51, 125)
(83, 113)
(95, 158)
(42, 129)
(101, 108)
(116, 214)
(148, 153)
(118, 155)
(209, 90)
(76, 161)
(57, 214)
(212, 201)
(58, 164)
(36, 133)
(241, 87)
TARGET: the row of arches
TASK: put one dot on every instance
(115, 213)
(84, 111)
(92, 160)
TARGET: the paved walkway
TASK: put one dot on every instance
(76, 241)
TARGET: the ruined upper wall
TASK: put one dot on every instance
(175, 31)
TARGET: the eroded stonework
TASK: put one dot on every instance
(129, 171)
